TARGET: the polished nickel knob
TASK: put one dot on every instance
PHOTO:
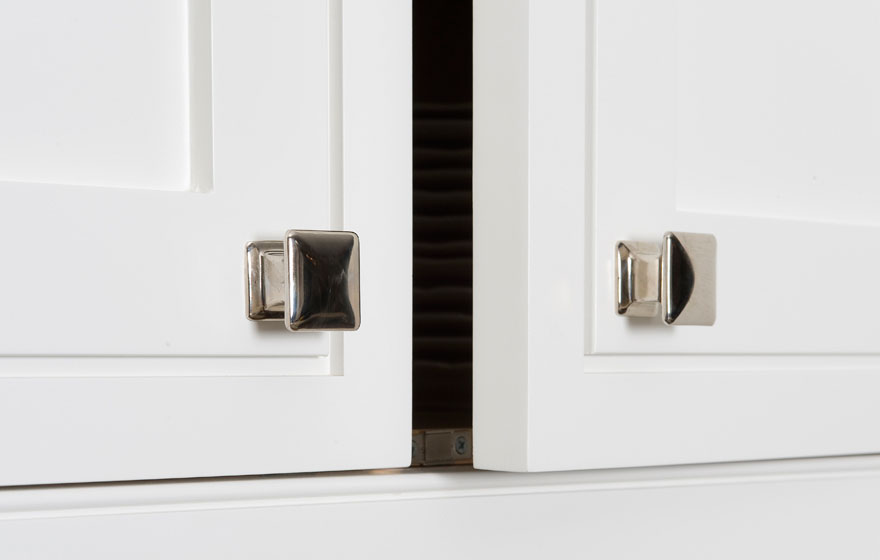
(310, 280)
(675, 279)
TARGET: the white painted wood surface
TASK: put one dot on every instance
(789, 509)
(142, 147)
(766, 142)
(609, 120)
(98, 92)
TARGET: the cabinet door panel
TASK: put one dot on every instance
(141, 147)
(761, 130)
(603, 121)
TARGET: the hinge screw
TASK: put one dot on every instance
(460, 445)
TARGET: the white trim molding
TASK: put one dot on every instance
(800, 508)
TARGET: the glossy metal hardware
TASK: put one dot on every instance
(436, 447)
(310, 280)
(675, 279)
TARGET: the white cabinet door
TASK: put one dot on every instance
(142, 145)
(613, 120)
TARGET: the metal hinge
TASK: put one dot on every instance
(435, 448)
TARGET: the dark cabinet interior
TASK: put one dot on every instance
(442, 230)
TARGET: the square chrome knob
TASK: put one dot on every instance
(675, 279)
(310, 280)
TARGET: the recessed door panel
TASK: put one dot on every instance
(756, 124)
